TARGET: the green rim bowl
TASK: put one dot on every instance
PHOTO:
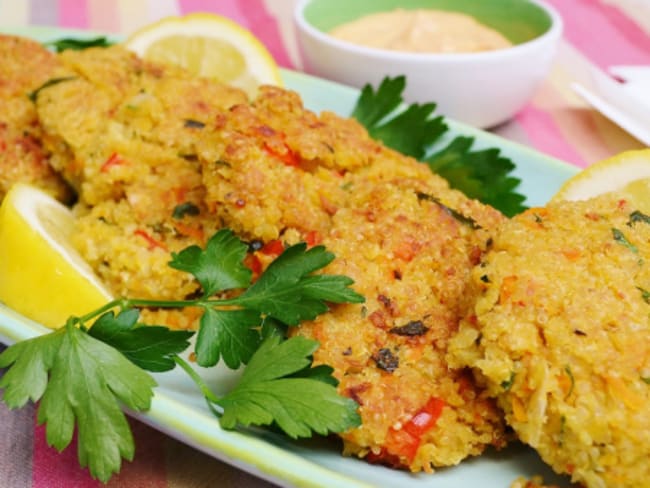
(482, 89)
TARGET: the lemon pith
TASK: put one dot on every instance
(41, 275)
(208, 45)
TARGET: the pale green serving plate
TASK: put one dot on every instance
(179, 410)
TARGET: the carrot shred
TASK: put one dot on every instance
(153, 243)
(571, 254)
(190, 231)
(287, 156)
(313, 238)
(508, 287)
(113, 160)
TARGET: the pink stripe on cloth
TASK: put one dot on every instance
(103, 16)
(227, 8)
(603, 33)
(73, 14)
(149, 468)
(252, 15)
(545, 135)
(52, 469)
(266, 28)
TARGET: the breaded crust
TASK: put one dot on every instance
(111, 107)
(123, 132)
(25, 66)
(411, 257)
(561, 336)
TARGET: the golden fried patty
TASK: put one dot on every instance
(123, 132)
(561, 334)
(411, 257)
(25, 66)
(114, 117)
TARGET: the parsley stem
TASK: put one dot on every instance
(207, 393)
(98, 311)
(125, 303)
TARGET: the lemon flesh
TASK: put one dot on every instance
(211, 46)
(41, 275)
(627, 174)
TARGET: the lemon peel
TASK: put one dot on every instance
(42, 276)
(208, 45)
(627, 174)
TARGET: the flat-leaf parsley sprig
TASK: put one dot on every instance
(84, 375)
(413, 130)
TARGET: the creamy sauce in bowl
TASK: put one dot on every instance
(421, 31)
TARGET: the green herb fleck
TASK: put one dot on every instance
(645, 294)
(454, 213)
(51, 82)
(185, 208)
(193, 124)
(567, 370)
(646, 379)
(507, 384)
(621, 239)
(638, 216)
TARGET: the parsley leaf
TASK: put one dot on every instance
(83, 376)
(150, 347)
(373, 106)
(288, 292)
(266, 393)
(88, 380)
(479, 174)
(227, 333)
(219, 266)
(61, 45)
(411, 130)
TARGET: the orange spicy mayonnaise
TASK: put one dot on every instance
(421, 31)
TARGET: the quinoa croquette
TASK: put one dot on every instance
(411, 258)
(560, 335)
(26, 65)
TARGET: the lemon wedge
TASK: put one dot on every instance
(208, 45)
(41, 275)
(627, 174)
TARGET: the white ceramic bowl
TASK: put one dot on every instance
(483, 89)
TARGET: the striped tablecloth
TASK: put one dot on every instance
(598, 33)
